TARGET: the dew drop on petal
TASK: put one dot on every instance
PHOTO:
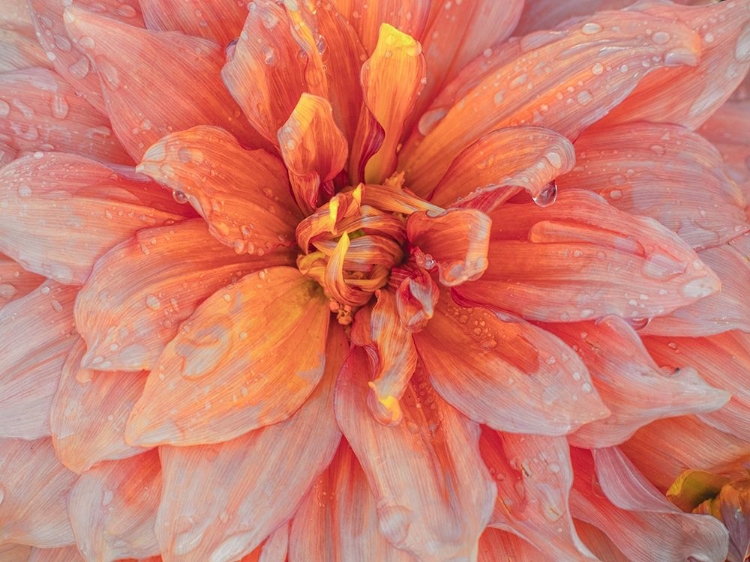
(179, 197)
(547, 196)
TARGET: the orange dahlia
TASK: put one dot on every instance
(374, 281)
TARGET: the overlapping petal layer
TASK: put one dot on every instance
(219, 20)
(15, 282)
(18, 37)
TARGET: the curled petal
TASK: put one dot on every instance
(15, 282)
(113, 509)
(131, 60)
(455, 241)
(220, 502)
(599, 543)
(556, 263)
(631, 385)
(141, 291)
(243, 195)
(249, 356)
(34, 486)
(569, 92)
(36, 334)
(61, 212)
(729, 131)
(219, 20)
(491, 170)
(511, 376)
(665, 172)
(416, 297)
(433, 493)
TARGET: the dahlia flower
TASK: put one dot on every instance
(378, 281)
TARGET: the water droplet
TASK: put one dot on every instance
(680, 57)
(430, 120)
(80, 68)
(193, 155)
(394, 522)
(585, 97)
(109, 72)
(554, 159)
(24, 191)
(60, 107)
(87, 43)
(638, 323)
(126, 11)
(597, 69)
(205, 349)
(269, 55)
(615, 194)
(179, 197)
(661, 37)
(547, 196)
(153, 302)
(107, 497)
(591, 28)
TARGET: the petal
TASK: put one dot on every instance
(582, 259)
(43, 112)
(664, 449)
(727, 129)
(665, 172)
(68, 56)
(599, 543)
(8, 153)
(499, 546)
(219, 502)
(511, 376)
(142, 290)
(33, 510)
(36, 334)
(89, 413)
(688, 96)
(314, 151)
(455, 241)
(61, 212)
(113, 509)
(534, 479)
(391, 82)
(610, 41)
(729, 309)
(724, 361)
(490, 171)
(638, 509)
(18, 553)
(249, 356)
(242, 194)
(20, 47)
(219, 20)
(416, 297)
(15, 282)
(548, 14)
(66, 554)
(131, 60)
(273, 549)
(631, 385)
(433, 493)
(338, 520)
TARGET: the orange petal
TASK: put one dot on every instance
(113, 509)
(15, 282)
(416, 297)
(491, 170)
(688, 96)
(338, 518)
(10, 552)
(62, 212)
(631, 385)
(410, 16)
(249, 356)
(433, 493)
(565, 83)
(612, 495)
(664, 172)
(455, 241)
(314, 151)
(582, 259)
(664, 449)
(36, 334)
(66, 54)
(499, 546)
(273, 549)
(242, 194)
(391, 82)
(599, 543)
(21, 48)
(34, 487)
(219, 20)
(89, 413)
(220, 502)
(724, 361)
(65, 554)
(45, 113)
(511, 376)
(141, 291)
(131, 60)
(534, 479)
(729, 309)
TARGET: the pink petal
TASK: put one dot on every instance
(219, 20)
(21, 48)
(599, 543)
(548, 14)
(548, 93)
(8, 153)
(724, 361)
(34, 486)
(556, 263)
(141, 291)
(273, 549)
(44, 113)
(219, 502)
(534, 479)
(75, 209)
(89, 413)
(66, 554)
(433, 493)
(243, 195)
(631, 385)
(511, 376)
(664, 172)
(36, 334)
(113, 509)
(15, 282)
(131, 60)
(499, 546)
